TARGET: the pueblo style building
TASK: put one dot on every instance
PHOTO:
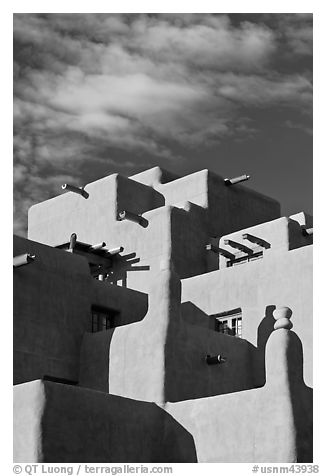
(163, 319)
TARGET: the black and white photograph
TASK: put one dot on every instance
(163, 230)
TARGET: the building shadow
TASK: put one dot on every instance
(95, 360)
(196, 334)
(116, 430)
(191, 314)
(189, 340)
(122, 266)
(302, 401)
(265, 328)
(194, 380)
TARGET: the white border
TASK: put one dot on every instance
(232, 6)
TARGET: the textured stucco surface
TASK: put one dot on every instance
(214, 210)
(256, 288)
(167, 286)
(53, 297)
(227, 208)
(281, 235)
(51, 312)
(269, 424)
(163, 356)
(154, 176)
(29, 402)
(163, 349)
(52, 222)
(74, 424)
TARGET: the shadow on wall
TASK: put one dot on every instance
(191, 314)
(265, 328)
(94, 360)
(271, 424)
(116, 429)
(189, 341)
(284, 416)
(123, 265)
(302, 402)
(296, 236)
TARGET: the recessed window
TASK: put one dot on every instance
(229, 322)
(103, 318)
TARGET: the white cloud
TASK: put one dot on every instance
(88, 82)
(214, 44)
(253, 90)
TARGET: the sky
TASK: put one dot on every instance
(96, 94)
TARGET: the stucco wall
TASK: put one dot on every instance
(132, 305)
(53, 297)
(52, 221)
(141, 355)
(175, 237)
(280, 235)
(78, 425)
(94, 360)
(270, 424)
(28, 409)
(187, 374)
(144, 249)
(137, 355)
(228, 208)
(163, 356)
(157, 352)
(216, 209)
(51, 312)
(154, 176)
(189, 235)
(257, 287)
(94, 222)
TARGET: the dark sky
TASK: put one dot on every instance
(96, 94)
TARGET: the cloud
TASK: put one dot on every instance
(30, 189)
(259, 91)
(299, 126)
(211, 42)
(297, 33)
(86, 84)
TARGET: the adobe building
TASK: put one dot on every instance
(153, 323)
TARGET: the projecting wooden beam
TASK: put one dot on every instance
(307, 231)
(235, 180)
(126, 215)
(239, 246)
(74, 189)
(215, 359)
(21, 260)
(220, 251)
(256, 240)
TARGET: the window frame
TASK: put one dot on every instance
(229, 322)
(103, 318)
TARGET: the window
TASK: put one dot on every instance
(103, 319)
(244, 259)
(229, 322)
